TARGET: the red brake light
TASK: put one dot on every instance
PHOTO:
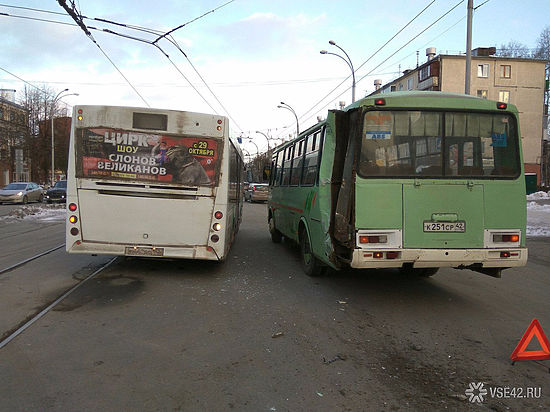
(79, 111)
(380, 102)
(72, 207)
(373, 239)
(253, 188)
(502, 106)
(504, 254)
(218, 215)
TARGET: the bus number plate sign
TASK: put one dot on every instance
(144, 251)
(458, 226)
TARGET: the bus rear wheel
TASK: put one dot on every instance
(311, 265)
(276, 236)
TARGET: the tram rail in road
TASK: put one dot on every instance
(49, 307)
(21, 263)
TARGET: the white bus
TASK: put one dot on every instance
(150, 182)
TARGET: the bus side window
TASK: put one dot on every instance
(280, 160)
(311, 162)
(297, 164)
(287, 165)
(273, 174)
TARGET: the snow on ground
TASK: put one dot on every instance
(539, 196)
(538, 218)
(43, 213)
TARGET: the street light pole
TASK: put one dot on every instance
(469, 47)
(283, 105)
(267, 138)
(254, 143)
(348, 62)
(57, 97)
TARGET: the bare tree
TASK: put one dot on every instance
(514, 49)
(38, 102)
(543, 52)
(543, 45)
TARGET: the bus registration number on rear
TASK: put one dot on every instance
(459, 226)
(144, 251)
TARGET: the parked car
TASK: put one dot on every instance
(21, 192)
(57, 193)
(257, 192)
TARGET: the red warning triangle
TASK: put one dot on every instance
(520, 353)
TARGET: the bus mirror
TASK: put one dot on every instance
(267, 172)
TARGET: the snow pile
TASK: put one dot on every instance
(538, 218)
(539, 196)
(44, 213)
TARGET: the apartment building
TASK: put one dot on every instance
(518, 81)
(13, 133)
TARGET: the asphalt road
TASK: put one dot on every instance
(255, 333)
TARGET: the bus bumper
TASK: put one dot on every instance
(170, 252)
(431, 258)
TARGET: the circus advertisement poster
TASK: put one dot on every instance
(114, 154)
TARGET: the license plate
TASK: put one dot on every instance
(144, 251)
(459, 226)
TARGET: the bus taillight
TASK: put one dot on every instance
(74, 231)
(73, 219)
(373, 239)
(217, 227)
(502, 106)
(218, 215)
(380, 102)
(392, 255)
(72, 207)
(497, 238)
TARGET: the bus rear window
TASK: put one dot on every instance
(113, 154)
(439, 144)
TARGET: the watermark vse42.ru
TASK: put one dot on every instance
(477, 392)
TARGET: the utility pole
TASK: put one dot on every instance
(469, 46)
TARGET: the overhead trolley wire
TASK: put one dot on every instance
(191, 21)
(78, 21)
(23, 80)
(368, 59)
(78, 18)
(303, 116)
(438, 36)
(173, 42)
(397, 51)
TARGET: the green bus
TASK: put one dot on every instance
(409, 180)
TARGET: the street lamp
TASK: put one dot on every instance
(283, 105)
(266, 137)
(59, 96)
(348, 62)
(254, 143)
